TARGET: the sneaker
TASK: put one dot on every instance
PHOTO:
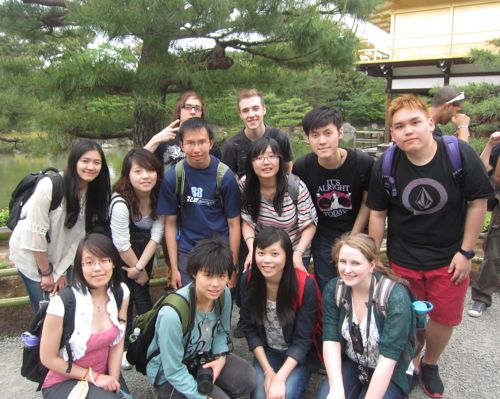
(238, 331)
(476, 309)
(125, 364)
(431, 381)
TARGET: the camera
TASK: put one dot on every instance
(204, 376)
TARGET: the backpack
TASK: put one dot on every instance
(381, 298)
(31, 366)
(137, 352)
(317, 339)
(293, 187)
(452, 149)
(181, 186)
(25, 189)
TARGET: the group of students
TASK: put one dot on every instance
(248, 213)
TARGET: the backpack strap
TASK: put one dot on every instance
(362, 163)
(387, 178)
(222, 169)
(57, 188)
(182, 307)
(453, 151)
(293, 187)
(301, 280)
(69, 301)
(340, 292)
(180, 183)
(382, 293)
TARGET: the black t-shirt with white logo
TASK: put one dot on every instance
(427, 218)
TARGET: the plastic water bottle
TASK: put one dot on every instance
(30, 339)
(421, 310)
(135, 334)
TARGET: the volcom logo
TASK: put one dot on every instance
(424, 196)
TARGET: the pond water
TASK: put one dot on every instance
(14, 167)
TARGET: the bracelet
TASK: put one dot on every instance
(138, 269)
(85, 375)
(299, 251)
(462, 127)
(246, 239)
(47, 272)
(92, 378)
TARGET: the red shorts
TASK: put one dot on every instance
(436, 287)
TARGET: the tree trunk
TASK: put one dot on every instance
(148, 120)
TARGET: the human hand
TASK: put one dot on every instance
(216, 365)
(132, 272)
(175, 279)
(460, 119)
(170, 132)
(248, 262)
(277, 389)
(106, 382)
(60, 284)
(143, 278)
(460, 266)
(298, 262)
(494, 138)
(47, 283)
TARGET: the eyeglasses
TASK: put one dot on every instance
(192, 144)
(262, 158)
(191, 108)
(458, 98)
(92, 262)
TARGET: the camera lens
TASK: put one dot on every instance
(204, 378)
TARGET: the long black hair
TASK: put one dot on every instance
(98, 191)
(101, 246)
(148, 161)
(250, 200)
(256, 296)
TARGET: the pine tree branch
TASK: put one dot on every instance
(47, 3)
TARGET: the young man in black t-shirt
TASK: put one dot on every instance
(433, 222)
(337, 179)
(252, 110)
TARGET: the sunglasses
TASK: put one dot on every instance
(458, 98)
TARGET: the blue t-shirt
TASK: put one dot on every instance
(202, 216)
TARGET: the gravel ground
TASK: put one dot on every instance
(470, 367)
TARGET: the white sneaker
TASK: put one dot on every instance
(125, 364)
(476, 309)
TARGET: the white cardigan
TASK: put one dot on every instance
(83, 319)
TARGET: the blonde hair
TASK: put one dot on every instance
(248, 93)
(407, 101)
(366, 245)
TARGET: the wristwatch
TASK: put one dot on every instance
(468, 254)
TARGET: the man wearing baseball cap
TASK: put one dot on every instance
(446, 106)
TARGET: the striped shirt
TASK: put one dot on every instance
(293, 219)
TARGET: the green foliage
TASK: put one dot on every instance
(487, 221)
(153, 49)
(4, 215)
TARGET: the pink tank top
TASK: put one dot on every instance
(96, 356)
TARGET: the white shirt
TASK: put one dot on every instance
(30, 234)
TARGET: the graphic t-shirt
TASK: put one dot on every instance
(337, 194)
(426, 219)
(202, 215)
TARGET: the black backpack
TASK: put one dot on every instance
(25, 190)
(137, 352)
(31, 367)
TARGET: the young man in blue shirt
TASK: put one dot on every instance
(199, 212)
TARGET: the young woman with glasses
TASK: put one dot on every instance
(365, 353)
(266, 201)
(97, 340)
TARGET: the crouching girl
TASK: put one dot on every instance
(366, 354)
(185, 361)
(279, 333)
